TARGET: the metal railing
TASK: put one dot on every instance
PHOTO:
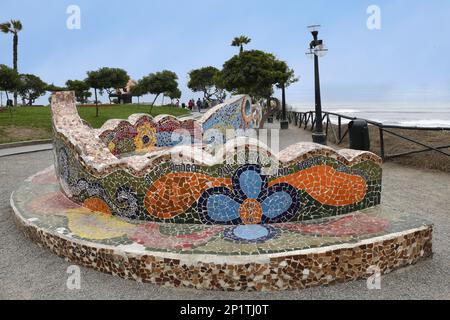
(308, 118)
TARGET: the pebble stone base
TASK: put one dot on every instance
(285, 270)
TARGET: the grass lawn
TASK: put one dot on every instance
(34, 123)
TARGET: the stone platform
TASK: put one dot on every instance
(241, 257)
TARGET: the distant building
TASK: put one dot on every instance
(123, 95)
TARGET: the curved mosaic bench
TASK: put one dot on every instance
(312, 181)
(212, 221)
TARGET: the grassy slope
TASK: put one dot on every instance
(31, 123)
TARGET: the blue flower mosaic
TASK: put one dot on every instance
(251, 233)
(251, 200)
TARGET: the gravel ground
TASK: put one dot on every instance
(30, 272)
(395, 145)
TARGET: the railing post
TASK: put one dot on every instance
(339, 129)
(381, 142)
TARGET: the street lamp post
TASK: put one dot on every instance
(284, 123)
(317, 49)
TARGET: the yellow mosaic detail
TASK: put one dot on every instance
(96, 226)
(145, 139)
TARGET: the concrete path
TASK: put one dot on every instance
(30, 272)
(25, 149)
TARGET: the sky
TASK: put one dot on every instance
(405, 62)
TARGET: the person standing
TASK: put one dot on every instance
(199, 105)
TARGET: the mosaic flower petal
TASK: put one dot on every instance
(250, 182)
(219, 205)
(279, 203)
(251, 233)
(222, 208)
(276, 204)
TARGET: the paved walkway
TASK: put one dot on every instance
(25, 149)
(28, 271)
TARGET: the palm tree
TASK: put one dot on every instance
(240, 41)
(14, 27)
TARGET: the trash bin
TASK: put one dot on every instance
(359, 135)
(9, 103)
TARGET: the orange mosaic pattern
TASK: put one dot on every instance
(174, 193)
(251, 212)
(97, 205)
(326, 185)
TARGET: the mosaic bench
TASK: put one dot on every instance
(131, 200)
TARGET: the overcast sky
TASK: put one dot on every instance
(407, 61)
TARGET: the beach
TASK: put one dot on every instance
(399, 114)
(436, 115)
(395, 145)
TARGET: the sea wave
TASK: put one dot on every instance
(346, 111)
(424, 123)
(412, 117)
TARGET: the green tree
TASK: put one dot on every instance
(95, 81)
(138, 90)
(251, 73)
(31, 88)
(81, 89)
(240, 41)
(160, 82)
(54, 88)
(9, 79)
(256, 73)
(286, 77)
(13, 27)
(113, 79)
(208, 81)
(109, 79)
(221, 92)
(174, 94)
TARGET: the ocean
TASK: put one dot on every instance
(394, 114)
